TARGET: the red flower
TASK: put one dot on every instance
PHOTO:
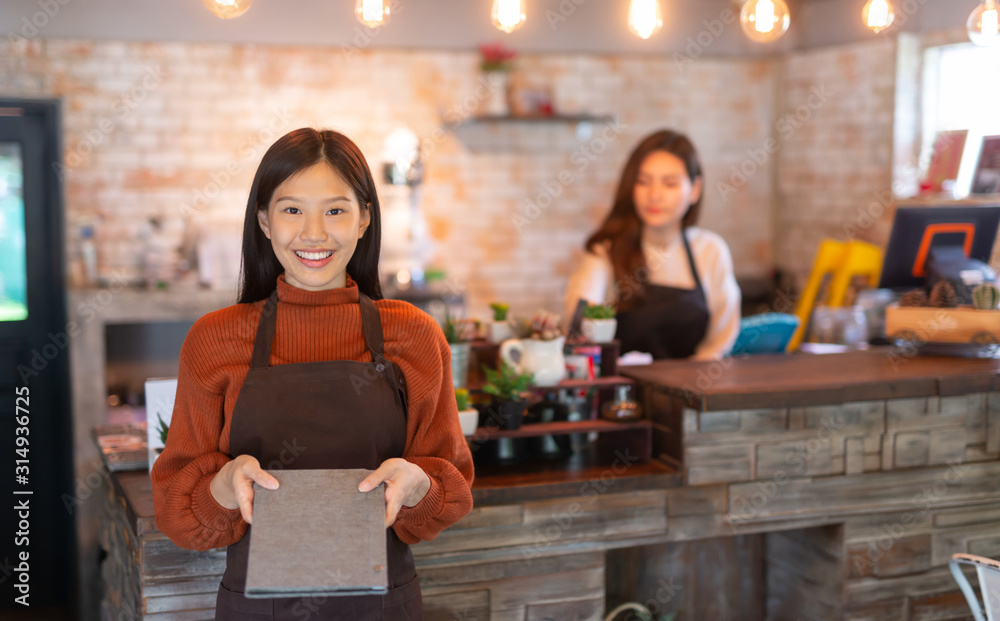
(496, 57)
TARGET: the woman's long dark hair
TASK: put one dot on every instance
(622, 227)
(292, 153)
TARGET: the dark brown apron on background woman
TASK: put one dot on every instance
(321, 415)
(668, 322)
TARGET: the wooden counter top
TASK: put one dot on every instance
(815, 379)
(494, 485)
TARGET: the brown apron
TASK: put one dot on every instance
(328, 414)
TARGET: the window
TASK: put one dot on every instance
(961, 91)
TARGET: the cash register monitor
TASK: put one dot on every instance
(934, 243)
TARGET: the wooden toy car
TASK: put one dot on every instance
(909, 326)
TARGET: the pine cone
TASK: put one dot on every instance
(917, 297)
(943, 295)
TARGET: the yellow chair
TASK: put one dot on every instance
(837, 265)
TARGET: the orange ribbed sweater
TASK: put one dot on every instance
(311, 326)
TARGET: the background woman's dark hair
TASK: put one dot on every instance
(294, 152)
(622, 227)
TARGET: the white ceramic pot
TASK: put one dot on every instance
(498, 331)
(599, 330)
(469, 420)
(542, 358)
(496, 103)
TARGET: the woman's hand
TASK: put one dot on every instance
(406, 485)
(232, 487)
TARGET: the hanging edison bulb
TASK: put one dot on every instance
(372, 13)
(983, 25)
(644, 18)
(764, 20)
(878, 15)
(227, 9)
(508, 15)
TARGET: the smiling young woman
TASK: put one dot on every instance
(312, 358)
(314, 223)
(671, 281)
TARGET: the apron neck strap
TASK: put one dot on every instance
(265, 333)
(694, 270)
(371, 324)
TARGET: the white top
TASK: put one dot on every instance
(668, 265)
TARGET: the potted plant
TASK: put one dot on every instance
(460, 348)
(599, 323)
(499, 330)
(496, 65)
(468, 417)
(507, 385)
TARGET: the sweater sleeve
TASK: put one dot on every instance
(723, 297)
(590, 281)
(436, 444)
(185, 509)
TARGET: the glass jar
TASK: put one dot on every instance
(622, 408)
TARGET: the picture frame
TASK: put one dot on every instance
(986, 178)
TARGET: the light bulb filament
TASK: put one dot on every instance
(644, 18)
(226, 2)
(878, 14)
(509, 14)
(990, 23)
(371, 11)
(764, 16)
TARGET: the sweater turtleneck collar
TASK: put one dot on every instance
(291, 294)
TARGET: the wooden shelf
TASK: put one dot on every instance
(567, 384)
(560, 428)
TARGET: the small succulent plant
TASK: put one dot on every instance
(599, 311)
(545, 326)
(986, 296)
(499, 311)
(462, 398)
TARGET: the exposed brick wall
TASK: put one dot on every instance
(834, 126)
(176, 130)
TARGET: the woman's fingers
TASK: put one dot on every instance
(246, 473)
(393, 502)
(253, 471)
(405, 483)
(244, 496)
(381, 474)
